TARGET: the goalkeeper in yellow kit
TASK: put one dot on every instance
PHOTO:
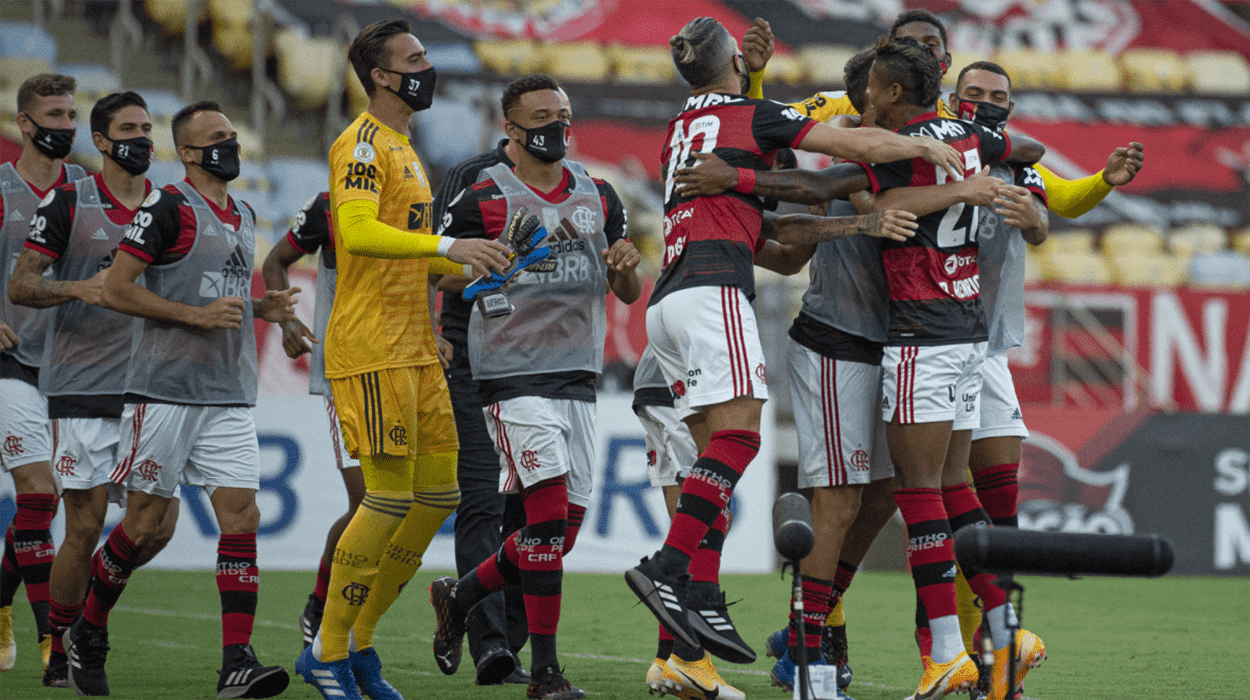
(382, 361)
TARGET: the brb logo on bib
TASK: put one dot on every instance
(234, 280)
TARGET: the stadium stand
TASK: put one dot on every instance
(1197, 239)
(1154, 70)
(825, 62)
(510, 57)
(232, 30)
(303, 64)
(1062, 266)
(1222, 269)
(641, 64)
(1030, 69)
(27, 40)
(1127, 238)
(14, 70)
(1089, 71)
(1146, 268)
(583, 61)
(1219, 72)
(171, 15)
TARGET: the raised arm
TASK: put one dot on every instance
(362, 234)
(1025, 150)
(881, 146)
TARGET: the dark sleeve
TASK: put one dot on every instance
(460, 176)
(155, 227)
(888, 176)
(776, 125)
(53, 220)
(995, 145)
(1031, 180)
(615, 217)
(463, 218)
(312, 227)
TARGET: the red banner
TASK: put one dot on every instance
(1129, 348)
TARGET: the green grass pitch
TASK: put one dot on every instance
(1107, 638)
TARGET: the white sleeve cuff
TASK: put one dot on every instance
(444, 245)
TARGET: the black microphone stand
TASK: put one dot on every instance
(801, 677)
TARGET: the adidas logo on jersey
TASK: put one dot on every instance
(407, 173)
(17, 216)
(99, 235)
(1015, 415)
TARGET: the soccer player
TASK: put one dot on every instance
(495, 627)
(75, 232)
(700, 321)
(312, 232)
(381, 359)
(189, 385)
(46, 115)
(536, 366)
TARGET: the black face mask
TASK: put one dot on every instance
(987, 114)
(53, 143)
(547, 142)
(417, 89)
(133, 155)
(221, 159)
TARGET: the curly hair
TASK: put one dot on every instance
(520, 86)
(920, 16)
(912, 66)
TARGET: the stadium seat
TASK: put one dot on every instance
(1224, 269)
(14, 70)
(787, 68)
(1089, 71)
(171, 15)
(162, 104)
(1126, 237)
(95, 80)
(510, 56)
(1197, 239)
(1154, 70)
(825, 63)
(642, 64)
(303, 64)
(581, 61)
(1241, 242)
(1030, 69)
(357, 99)
(1219, 72)
(27, 39)
(1085, 268)
(1147, 269)
(250, 145)
(294, 181)
(232, 31)
(1074, 241)
(163, 141)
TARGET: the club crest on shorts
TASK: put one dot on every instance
(859, 460)
(65, 465)
(13, 445)
(148, 470)
(399, 435)
(529, 460)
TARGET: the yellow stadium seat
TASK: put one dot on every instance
(510, 56)
(1154, 70)
(825, 62)
(250, 145)
(583, 61)
(1075, 241)
(163, 142)
(1086, 268)
(14, 70)
(356, 96)
(1241, 242)
(788, 69)
(1089, 70)
(1197, 239)
(232, 30)
(303, 64)
(642, 64)
(1154, 269)
(1125, 238)
(1030, 69)
(171, 15)
(1219, 72)
(959, 60)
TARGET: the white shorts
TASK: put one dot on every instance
(342, 457)
(164, 444)
(837, 417)
(1000, 409)
(670, 446)
(84, 452)
(24, 434)
(708, 347)
(539, 439)
(928, 384)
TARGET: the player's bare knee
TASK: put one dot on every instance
(143, 517)
(236, 510)
(33, 478)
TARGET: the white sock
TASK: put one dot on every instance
(947, 639)
(997, 617)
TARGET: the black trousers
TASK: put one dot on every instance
(499, 620)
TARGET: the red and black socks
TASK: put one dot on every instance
(238, 581)
(705, 493)
(32, 543)
(110, 571)
(541, 546)
(998, 489)
(817, 593)
(931, 556)
(60, 617)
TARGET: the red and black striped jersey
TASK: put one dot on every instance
(933, 277)
(164, 229)
(710, 241)
(54, 220)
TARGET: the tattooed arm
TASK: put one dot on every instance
(714, 176)
(28, 286)
(806, 229)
